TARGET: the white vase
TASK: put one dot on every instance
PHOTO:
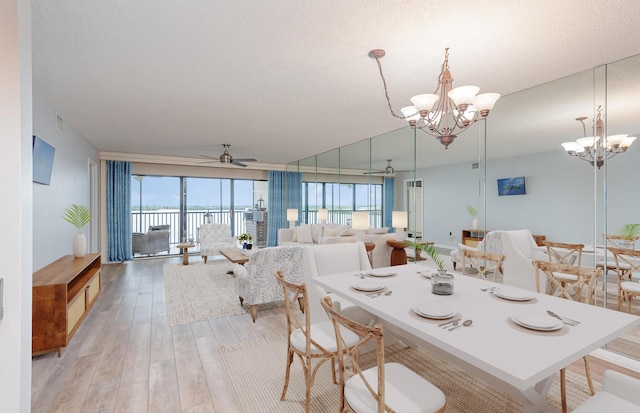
(79, 245)
(474, 224)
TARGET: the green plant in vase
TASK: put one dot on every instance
(78, 216)
(474, 213)
(245, 239)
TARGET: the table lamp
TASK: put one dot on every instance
(323, 215)
(292, 216)
(360, 223)
(399, 221)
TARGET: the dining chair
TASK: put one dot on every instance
(389, 387)
(627, 262)
(620, 393)
(616, 241)
(560, 286)
(306, 340)
(564, 253)
(484, 263)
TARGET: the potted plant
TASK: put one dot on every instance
(629, 233)
(246, 240)
(441, 283)
(473, 212)
(78, 216)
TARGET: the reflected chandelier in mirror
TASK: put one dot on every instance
(446, 112)
(594, 149)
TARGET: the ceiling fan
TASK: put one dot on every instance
(388, 170)
(227, 158)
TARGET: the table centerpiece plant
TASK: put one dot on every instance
(246, 240)
(629, 233)
(78, 216)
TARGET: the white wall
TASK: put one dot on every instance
(69, 183)
(15, 208)
(562, 195)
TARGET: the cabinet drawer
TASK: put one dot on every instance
(93, 289)
(75, 310)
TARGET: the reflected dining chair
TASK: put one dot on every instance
(383, 388)
(308, 341)
(564, 253)
(561, 286)
(484, 263)
(616, 241)
(627, 262)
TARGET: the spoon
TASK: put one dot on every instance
(466, 323)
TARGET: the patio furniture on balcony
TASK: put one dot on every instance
(154, 241)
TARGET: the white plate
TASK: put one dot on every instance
(537, 321)
(512, 294)
(368, 286)
(436, 310)
(381, 273)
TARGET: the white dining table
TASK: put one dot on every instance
(519, 361)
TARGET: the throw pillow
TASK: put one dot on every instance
(382, 230)
(304, 234)
(329, 232)
(316, 232)
(294, 238)
(347, 232)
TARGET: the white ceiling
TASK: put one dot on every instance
(282, 80)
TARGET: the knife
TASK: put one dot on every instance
(563, 319)
(449, 322)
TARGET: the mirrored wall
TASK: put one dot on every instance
(566, 198)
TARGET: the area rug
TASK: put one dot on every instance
(200, 292)
(256, 372)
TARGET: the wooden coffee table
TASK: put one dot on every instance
(235, 255)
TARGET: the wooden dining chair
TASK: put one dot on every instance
(308, 341)
(627, 262)
(483, 263)
(561, 286)
(389, 387)
(616, 241)
(563, 253)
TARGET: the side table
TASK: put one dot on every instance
(185, 251)
(398, 254)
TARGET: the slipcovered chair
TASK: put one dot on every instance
(620, 393)
(154, 241)
(492, 242)
(256, 282)
(213, 238)
(520, 250)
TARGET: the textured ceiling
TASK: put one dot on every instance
(282, 80)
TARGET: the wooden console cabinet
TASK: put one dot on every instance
(63, 293)
(471, 237)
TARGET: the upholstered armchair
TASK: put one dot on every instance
(213, 238)
(492, 242)
(520, 249)
(256, 282)
(154, 241)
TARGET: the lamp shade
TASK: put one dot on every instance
(399, 219)
(410, 113)
(292, 214)
(323, 214)
(463, 94)
(424, 101)
(360, 220)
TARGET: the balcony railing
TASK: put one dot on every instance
(142, 222)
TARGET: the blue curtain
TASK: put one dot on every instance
(387, 201)
(285, 191)
(118, 210)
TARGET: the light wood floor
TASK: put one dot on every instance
(125, 358)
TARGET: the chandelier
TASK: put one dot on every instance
(447, 112)
(594, 149)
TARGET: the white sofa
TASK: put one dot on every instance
(316, 234)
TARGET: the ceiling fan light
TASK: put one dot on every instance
(424, 101)
(463, 94)
(485, 102)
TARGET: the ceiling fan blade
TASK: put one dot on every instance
(238, 163)
(244, 160)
